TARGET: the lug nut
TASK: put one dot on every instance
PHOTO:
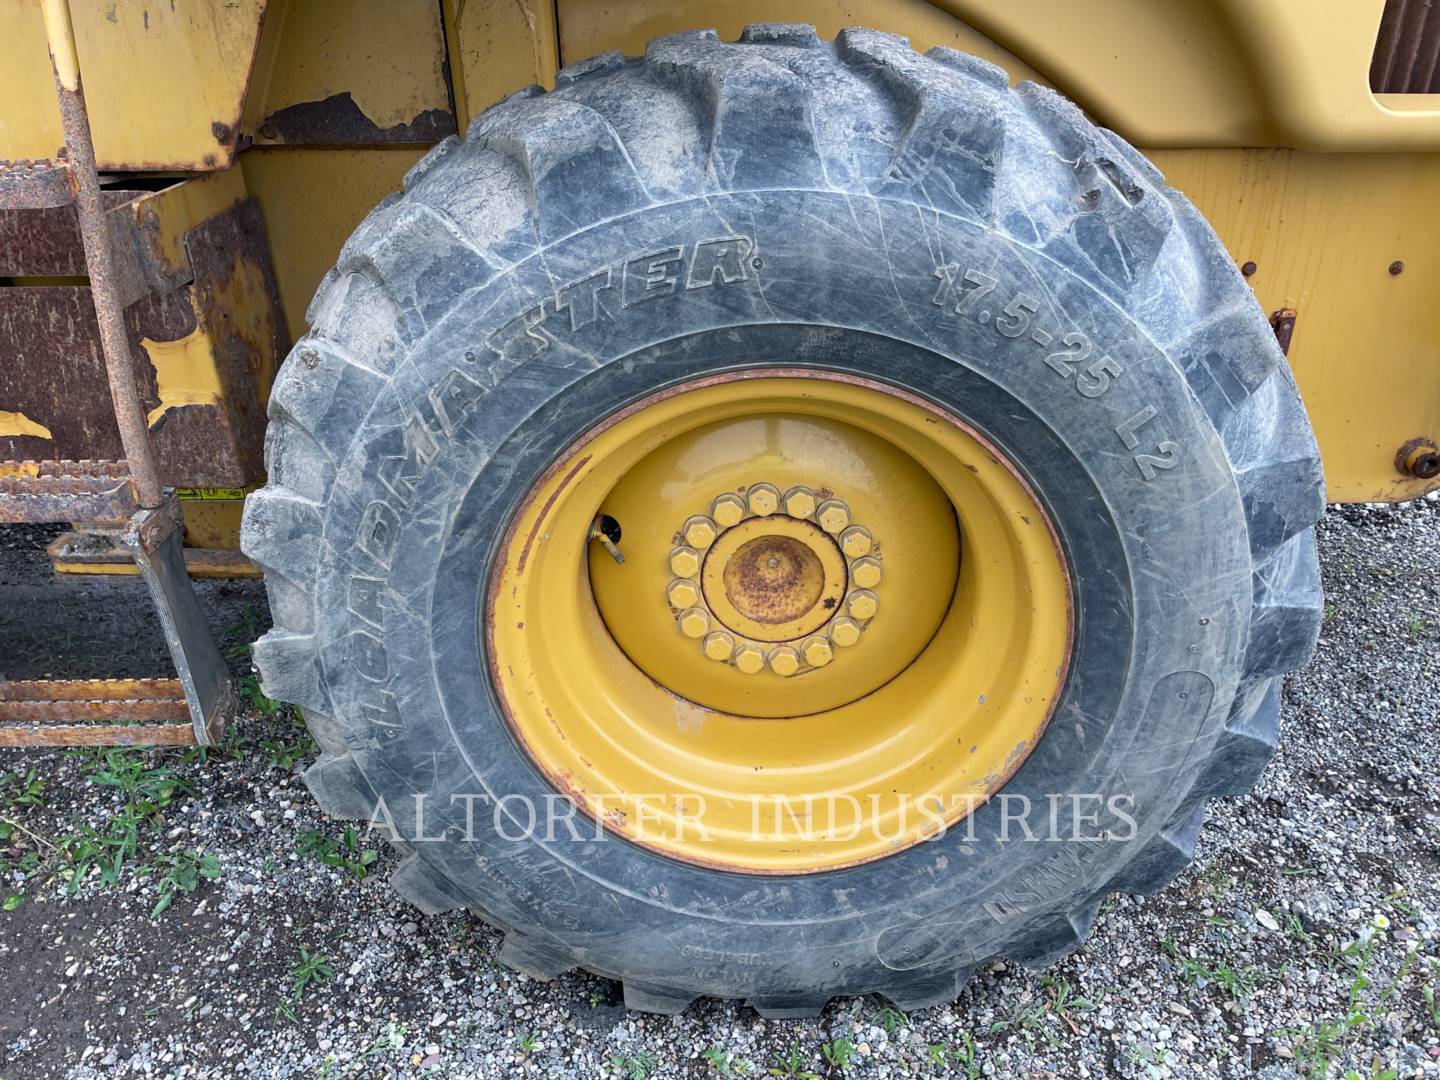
(719, 645)
(784, 660)
(683, 593)
(694, 622)
(749, 658)
(866, 572)
(699, 531)
(799, 502)
(862, 604)
(764, 499)
(844, 631)
(727, 510)
(833, 516)
(684, 562)
(856, 541)
(817, 651)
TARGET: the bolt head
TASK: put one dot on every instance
(844, 631)
(683, 593)
(866, 572)
(727, 510)
(833, 515)
(763, 499)
(749, 659)
(693, 623)
(699, 531)
(719, 645)
(817, 651)
(684, 562)
(784, 660)
(862, 604)
(856, 541)
(800, 502)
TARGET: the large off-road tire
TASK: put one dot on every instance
(798, 206)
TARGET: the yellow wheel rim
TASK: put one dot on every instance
(842, 621)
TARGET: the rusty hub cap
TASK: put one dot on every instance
(768, 585)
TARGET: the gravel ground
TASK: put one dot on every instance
(1303, 942)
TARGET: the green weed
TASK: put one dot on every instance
(180, 872)
(344, 853)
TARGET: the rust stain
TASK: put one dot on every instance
(544, 511)
(774, 579)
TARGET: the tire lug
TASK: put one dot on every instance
(699, 531)
(862, 604)
(800, 502)
(694, 622)
(763, 499)
(817, 651)
(727, 510)
(832, 516)
(684, 562)
(719, 645)
(683, 593)
(866, 572)
(856, 541)
(844, 631)
(749, 659)
(784, 660)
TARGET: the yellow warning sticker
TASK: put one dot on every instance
(211, 494)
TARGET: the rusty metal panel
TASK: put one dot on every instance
(56, 491)
(44, 240)
(54, 375)
(1407, 49)
(206, 317)
(33, 184)
(94, 712)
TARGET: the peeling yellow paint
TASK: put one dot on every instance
(185, 373)
(17, 423)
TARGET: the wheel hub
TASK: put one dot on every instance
(766, 584)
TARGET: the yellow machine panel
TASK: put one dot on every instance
(165, 82)
(1259, 110)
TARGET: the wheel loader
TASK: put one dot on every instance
(762, 500)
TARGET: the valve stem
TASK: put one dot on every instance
(606, 530)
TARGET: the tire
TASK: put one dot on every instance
(857, 172)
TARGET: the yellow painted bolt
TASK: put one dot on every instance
(863, 604)
(817, 652)
(844, 631)
(784, 660)
(763, 499)
(699, 531)
(799, 502)
(684, 562)
(749, 658)
(856, 541)
(694, 622)
(683, 593)
(866, 572)
(719, 645)
(727, 510)
(833, 516)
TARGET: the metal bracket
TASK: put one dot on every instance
(154, 539)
